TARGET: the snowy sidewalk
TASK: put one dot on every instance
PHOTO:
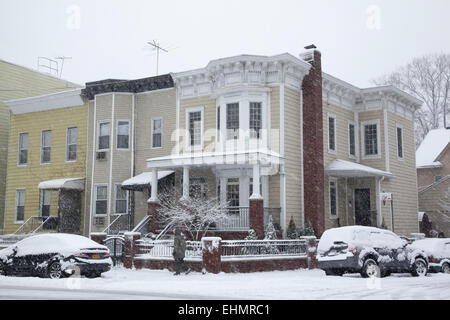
(155, 284)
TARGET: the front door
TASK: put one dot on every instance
(362, 207)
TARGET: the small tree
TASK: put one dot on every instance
(196, 214)
(291, 231)
(306, 230)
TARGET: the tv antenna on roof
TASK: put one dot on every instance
(62, 58)
(156, 46)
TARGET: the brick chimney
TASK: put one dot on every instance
(313, 171)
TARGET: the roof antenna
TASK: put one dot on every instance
(156, 46)
(62, 58)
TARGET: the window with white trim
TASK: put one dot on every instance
(46, 142)
(331, 133)
(370, 132)
(195, 128)
(44, 207)
(121, 200)
(156, 132)
(333, 197)
(399, 141)
(255, 124)
(351, 139)
(233, 121)
(20, 205)
(71, 144)
(101, 199)
(103, 135)
(233, 192)
(218, 123)
(123, 134)
(198, 187)
(23, 149)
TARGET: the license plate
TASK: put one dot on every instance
(95, 256)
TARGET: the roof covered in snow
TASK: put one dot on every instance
(342, 168)
(431, 147)
(144, 179)
(72, 183)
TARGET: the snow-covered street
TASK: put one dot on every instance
(121, 283)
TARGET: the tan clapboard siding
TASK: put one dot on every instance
(158, 104)
(343, 116)
(275, 119)
(293, 160)
(433, 198)
(404, 185)
(28, 177)
(379, 163)
(19, 82)
(274, 191)
(209, 130)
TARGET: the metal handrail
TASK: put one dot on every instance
(141, 224)
(42, 222)
(109, 226)
(24, 224)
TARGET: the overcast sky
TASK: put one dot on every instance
(359, 39)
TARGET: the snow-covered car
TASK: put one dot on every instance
(438, 251)
(55, 255)
(368, 251)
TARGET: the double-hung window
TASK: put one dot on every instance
(20, 205)
(103, 135)
(233, 121)
(195, 124)
(255, 124)
(371, 138)
(351, 139)
(46, 142)
(71, 144)
(198, 187)
(233, 192)
(121, 205)
(157, 133)
(101, 199)
(331, 133)
(23, 149)
(333, 197)
(123, 134)
(45, 203)
(399, 142)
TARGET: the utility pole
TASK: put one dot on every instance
(62, 58)
(157, 47)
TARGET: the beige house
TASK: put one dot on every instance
(269, 135)
(20, 82)
(433, 173)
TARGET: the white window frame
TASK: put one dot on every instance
(218, 123)
(116, 186)
(98, 135)
(335, 181)
(399, 126)
(15, 206)
(188, 136)
(117, 134)
(153, 128)
(67, 145)
(363, 139)
(332, 116)
(42, 141)
(261, 130)
(355, 132)
(18, 150)
(95, 199)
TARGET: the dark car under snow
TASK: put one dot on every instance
(55, 256)
(368, 251)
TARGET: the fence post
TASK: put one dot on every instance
(212, 254)
(130, 248)
(311, 248)
(98, 237)
(256, 216)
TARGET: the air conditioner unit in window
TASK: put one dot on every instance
(101, 155)
(99, 221)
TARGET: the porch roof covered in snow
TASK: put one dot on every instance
(342, 168)
(71, 183)
(143, 180)
(263, 157)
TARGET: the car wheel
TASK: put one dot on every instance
(2, 269)
(446, 268)
(55, 270)
(93, 275)
(420, 268)
(370, 269)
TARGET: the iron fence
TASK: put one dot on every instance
(164, 248)
(240, 248)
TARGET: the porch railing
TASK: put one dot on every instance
(38, 224)
(238, 219)
(241, 248)
(120, 223)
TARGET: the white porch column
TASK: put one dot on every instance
(185, 183)
(378, 200)
(223, 189)
(154, 183)
(256, 177)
